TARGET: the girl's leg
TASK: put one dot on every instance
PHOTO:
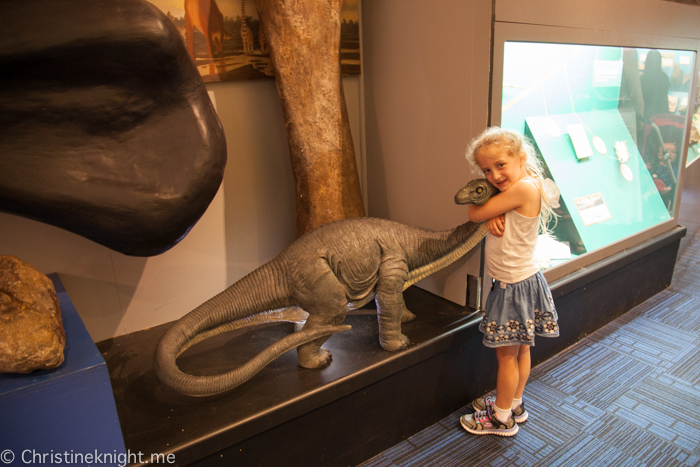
(523, 370)
(508, 380)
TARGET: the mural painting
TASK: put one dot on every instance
(225, 39)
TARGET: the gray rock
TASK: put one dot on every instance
(31, 329)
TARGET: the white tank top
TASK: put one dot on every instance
(511, 258)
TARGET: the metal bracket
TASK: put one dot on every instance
(474, 292)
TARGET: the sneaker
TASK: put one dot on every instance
(481, 403)
(486, 423)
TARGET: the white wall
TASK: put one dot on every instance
(655, 17)
(250, 220)
(426, 76)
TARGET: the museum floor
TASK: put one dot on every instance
(626, 395)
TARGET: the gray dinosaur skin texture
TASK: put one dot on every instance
(338, 267)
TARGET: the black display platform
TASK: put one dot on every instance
(367, 400)
(156, 419)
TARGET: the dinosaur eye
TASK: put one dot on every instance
(480, 190)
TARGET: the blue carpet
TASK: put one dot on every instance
(626, 395)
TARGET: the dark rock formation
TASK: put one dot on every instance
(31, 329)
(106, 129)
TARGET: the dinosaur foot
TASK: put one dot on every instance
(320, 359)
(395, 344)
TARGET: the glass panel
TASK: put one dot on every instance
(694, 138)
(609, 124)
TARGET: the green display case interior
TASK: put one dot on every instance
(609, 124)
(603, 206)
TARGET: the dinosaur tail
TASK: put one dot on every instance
(170, 374)
(263, 289)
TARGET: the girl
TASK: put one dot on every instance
(520, 304)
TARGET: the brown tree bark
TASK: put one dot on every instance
(304, 39)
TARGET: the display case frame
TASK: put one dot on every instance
(516, 32)
(694, 147)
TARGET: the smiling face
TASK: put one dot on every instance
(500, 167)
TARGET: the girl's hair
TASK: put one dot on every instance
(514, 144)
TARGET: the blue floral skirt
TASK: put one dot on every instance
(515, 313)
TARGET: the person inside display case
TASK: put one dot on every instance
(665, 172)
(655, 86)
(631, 100)
(660, 153)
(666, 169)
(520, 304)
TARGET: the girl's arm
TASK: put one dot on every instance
(523, 196)
(497, 225)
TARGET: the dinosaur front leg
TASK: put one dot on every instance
(393, 273)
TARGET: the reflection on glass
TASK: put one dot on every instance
(694, 137)
(609, 124)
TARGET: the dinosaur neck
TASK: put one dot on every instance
(432, 251)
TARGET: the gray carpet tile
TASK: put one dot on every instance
(688, 370)
(626, 395)
(688, 283)
(673, 309)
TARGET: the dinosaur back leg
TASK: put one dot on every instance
(322, 296)
(393, 273)
(407, 315)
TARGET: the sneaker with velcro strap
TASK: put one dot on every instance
(519, 414)
(486, 423)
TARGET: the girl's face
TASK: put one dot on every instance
(500, 167)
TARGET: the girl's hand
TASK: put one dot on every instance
(497, 225)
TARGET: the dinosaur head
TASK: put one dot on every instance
(476, 192)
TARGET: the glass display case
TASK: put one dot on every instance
(611, 124)
(694, 137)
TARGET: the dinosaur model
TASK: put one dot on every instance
(338, 267)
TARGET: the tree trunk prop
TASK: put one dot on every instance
(304, 39)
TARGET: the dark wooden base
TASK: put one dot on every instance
(367, 400)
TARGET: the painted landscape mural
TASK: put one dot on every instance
(224, 37)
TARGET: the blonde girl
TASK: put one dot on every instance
(520, 304)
